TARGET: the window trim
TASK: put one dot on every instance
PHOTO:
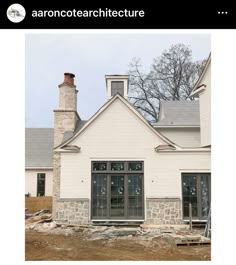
(198, 175)
(109, 173)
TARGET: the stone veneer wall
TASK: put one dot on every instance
(72, 211)
(163, 211)
(56, 182)
(64, 120)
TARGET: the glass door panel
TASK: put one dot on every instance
(117, 206)
(196, 190)
(205, 203)
(190, 195)
(135, 196)
(99, 189)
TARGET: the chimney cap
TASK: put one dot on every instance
(68, 80)
(70, 74)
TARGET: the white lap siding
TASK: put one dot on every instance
(31, 181)
(185, 137)
(118, 134)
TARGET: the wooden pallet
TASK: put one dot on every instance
(191, 243)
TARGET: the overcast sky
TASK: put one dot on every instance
(90, 57)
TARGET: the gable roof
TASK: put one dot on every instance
(39, 147)
(179, 113)
(104, 107)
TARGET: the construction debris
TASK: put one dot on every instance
(41, 221)
(41, 216)
(188, 240)
(41, 212)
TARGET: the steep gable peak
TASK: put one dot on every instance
(105, 108)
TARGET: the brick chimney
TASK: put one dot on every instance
(69, 79)
(65, 116)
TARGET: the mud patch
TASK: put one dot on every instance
(78, 246)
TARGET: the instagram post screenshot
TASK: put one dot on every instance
(118, 132)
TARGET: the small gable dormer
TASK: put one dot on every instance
(117, 84)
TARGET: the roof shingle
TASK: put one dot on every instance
(179, 113)
(39, 147)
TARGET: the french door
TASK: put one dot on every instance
(117, 195)
(196, 190)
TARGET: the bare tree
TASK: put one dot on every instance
(171, 77)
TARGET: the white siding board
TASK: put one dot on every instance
(168, 168)
(74, 177)
(205, 109)
(31, 181)
(185, 137)
(49, 183)
(118, 134)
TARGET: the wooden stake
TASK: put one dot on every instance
(190, 217)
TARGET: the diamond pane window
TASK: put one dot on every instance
(118, 166)
(135, 166)
(99, 166)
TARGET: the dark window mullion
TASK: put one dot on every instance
(126, 166)
(108, 196)
(143, 194)
(126, 197)
(199, 203)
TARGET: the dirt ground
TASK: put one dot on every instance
(44, 246)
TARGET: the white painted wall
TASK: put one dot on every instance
(163, 178)
(118, 134)
(185, 137)
(205, 109)
(31, 181)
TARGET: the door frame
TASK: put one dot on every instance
(197, 174)
(108, 172)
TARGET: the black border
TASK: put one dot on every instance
(158, 15)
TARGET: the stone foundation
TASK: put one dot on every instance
(163, 211)
(56, 182)
(158, 211)
(74, 211)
